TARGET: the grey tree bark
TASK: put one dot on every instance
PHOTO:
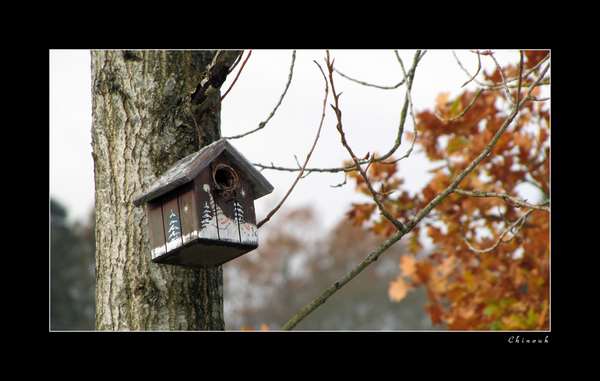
(143, 122)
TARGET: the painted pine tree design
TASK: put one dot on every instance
(238, 212)
(174, 227)
(207, 216)
(208, 222)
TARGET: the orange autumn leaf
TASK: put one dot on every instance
(423, 271)
(435, 313)
(442, 100)
(408, 265)
(534, 56)
(361, 213)
(397, 289)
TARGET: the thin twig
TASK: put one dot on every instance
(272, 212)
(412, 113)
(370, 84)
(514, 228)
(520, 77)
(504, 84)
(476, 72)
(339, 126)
(342, 183)
(237, 61)
(237, 76)
(495, 86)
(262, 124)
(410, 104)
(505, 196)
(375, 254)
(381, 159)
(463, 112)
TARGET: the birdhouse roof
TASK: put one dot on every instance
(186, 170)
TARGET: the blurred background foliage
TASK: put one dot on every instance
(296, 260)
(72, 277)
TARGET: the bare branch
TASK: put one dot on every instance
(518, 96)
(262, 124)
(476, 72)
(381, 159)
(339, 126)
(370, 84)
(342, 183)
(495, 86)
(374, 255)
(237, 61)
(238, 75)
(272, 212)
(410, 104)
(463, 112)
(504, 84)
(514, 228)
(479, 91)
(506, 197)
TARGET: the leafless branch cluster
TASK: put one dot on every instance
(362, 165)
(363, 172)
(381, 159)
(507, 83)
(312, 148)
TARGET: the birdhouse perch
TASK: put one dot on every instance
(201, 210)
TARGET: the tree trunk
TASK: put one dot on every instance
(142, 124)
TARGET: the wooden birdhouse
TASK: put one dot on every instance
(201, 210)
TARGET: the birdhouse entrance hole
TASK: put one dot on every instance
(225, 177)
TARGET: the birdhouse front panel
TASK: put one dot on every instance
(201, 211)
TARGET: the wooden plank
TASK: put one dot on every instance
(205, 253)
(226, 221)
(172, 223)
(189, 214)
(156, 230)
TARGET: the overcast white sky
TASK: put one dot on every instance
(370, 119)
